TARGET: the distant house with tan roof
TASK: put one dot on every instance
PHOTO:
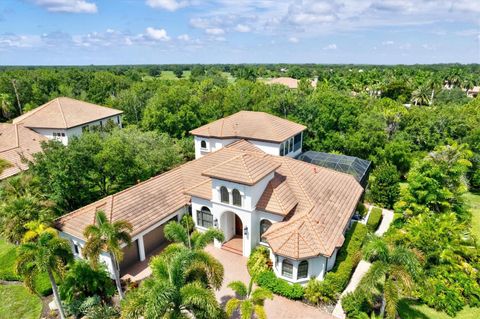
(63, 118)
(248, 190)
(17, 144)
(290, 82)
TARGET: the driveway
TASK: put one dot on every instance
(281, 308)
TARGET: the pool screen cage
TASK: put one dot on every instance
(357, 167)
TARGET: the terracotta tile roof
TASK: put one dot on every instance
(247, 169)
(64, 112)
(251, 125)
(245, 146)
(317, 202)
(16, 142)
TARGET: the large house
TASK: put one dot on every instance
(63, 118)
(245, 182)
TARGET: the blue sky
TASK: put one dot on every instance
(70, 32)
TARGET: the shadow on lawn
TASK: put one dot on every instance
(407, 311)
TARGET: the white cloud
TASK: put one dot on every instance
(293, 40)
(70, 6)
(242, 28)
(19, 41)
(184, 37)
(389, 42)
(170, 5)
(157, 34)
(215, 31)
(331, 46)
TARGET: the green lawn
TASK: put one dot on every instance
(18, 303)
(168, 75)
(408, 309)
(8, 254)
(473, 202)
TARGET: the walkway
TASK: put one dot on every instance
(236, 269)
(363, 266)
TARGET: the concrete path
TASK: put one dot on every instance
(278, 308)
(363, 266)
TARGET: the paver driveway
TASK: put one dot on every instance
(278, 308)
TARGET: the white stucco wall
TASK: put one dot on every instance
(316, 268)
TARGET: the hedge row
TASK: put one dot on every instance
(374, 219)
(268, 280)
(347, 259)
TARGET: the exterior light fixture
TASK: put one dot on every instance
(245, 231)
(215, 223)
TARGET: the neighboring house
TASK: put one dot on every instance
(63, 118)
(256, 197)
(473, 92)
(271, 134)
(290, 82)
(17, 144)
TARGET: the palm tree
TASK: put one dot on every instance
(181, 233)
(170, 292)
(250, 303)
(35, 229)
(393, 271)
(107, 236)
(50, 254)
(5, 105)
(421, 96)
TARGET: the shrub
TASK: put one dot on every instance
(361, 209)
(374, 219)
(268, 280)
(355, 304)
(385, 185)
(260, 260)
(347, 259)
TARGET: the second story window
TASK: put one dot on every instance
(237, 198)
(224, 196)
(203, 145)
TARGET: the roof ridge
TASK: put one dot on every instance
(246, 168)
(17, 137)
(284, 159)
(61, 111)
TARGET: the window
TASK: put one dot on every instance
(264, 225)
(237, 198)
(58, 134)
(287, 268)
(203, 144)
(282, 146)
(76, 249)
(224, 196)
(290, 145)
(302, 269)
(204, 217)
(297, 141)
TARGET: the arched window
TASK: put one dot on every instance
(204, 217)
(237, 198)
(203, 144)
(302, 269)
(287, 268)
(264, 225)
(224, 196)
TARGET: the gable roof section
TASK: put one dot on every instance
(277, 198)
(250, 125)
(16, 142)
(63, 113)
(246, 169)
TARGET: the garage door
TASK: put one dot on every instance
(154, 239)
(130, 256)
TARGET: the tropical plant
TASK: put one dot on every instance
(181, 233)
(393, 272)
(35, 229)
(385, 185)
(171, 291)
(250, 302)
(106, 236)
(50, 254)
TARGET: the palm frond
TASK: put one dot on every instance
(260, 294)
(391, 298)
(260, 312)
(232, 305)
(195, 296)
(175, 232)
(239, 287)
(208, 237)
(376, 249)
(246, 309)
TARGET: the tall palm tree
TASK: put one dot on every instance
(421, 96)
(170, 293)
(106, 236)
(393, 271)
(35, 229)
(48, 253)
(5, 105)
(250, 302)
(181, 233)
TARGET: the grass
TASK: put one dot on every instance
(409, 309)
(8, 253)
(168, 75)
(18, 303)
(473, 202)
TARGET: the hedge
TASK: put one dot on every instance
(269, 280)
(374, 219)
(347, 259)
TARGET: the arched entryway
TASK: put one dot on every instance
(232, 226)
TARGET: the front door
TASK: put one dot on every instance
(238, 226)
